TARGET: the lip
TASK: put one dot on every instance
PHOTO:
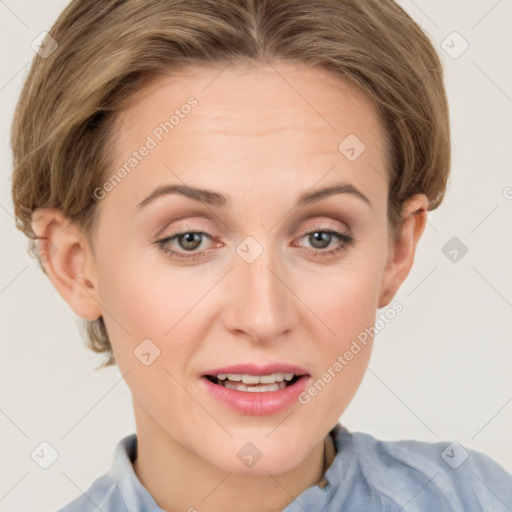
(252, 369)
(257, 403)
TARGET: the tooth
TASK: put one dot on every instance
(234, 377)
(267, 387)
(268, 379)
(279, 377)
(250, 379)
(222, 376)
(233, 385)
(276, 386)
(288, 376)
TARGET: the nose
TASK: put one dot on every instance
(260, 303)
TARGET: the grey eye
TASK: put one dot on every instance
(189, 241)
(320, 239)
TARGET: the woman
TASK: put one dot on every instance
(226, 192)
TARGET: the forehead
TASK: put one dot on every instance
(251, 99)
(260, 119)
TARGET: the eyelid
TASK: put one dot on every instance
(162, 242)
(327, 225)
(187, 215)
(190, 228)
(345, 240)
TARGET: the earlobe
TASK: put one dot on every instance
(66, 258)
(401, 253)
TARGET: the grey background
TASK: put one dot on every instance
(440, 370)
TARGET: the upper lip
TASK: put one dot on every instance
(252, 369)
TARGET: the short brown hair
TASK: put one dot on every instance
(108, 50)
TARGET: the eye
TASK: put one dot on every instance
(184, 241)
(189, 241)
(189, 244)
(321, 241)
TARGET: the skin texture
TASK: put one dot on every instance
(261, 141)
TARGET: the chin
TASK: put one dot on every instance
(259, 456)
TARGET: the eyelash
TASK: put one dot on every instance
(346, 240)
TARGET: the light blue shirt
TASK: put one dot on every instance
(367, 475)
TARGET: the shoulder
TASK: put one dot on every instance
(102, 495)
(444, 473)
(117, 489)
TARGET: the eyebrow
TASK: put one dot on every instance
(215, 199)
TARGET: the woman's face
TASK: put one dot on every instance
(267, 272)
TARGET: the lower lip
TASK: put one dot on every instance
(257, 403)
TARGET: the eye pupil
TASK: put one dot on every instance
(322, 237)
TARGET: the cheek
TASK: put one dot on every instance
(140, 292)
(346, 296)
(343, 352)
(154, 333)
(349, 311)
(347, 301)
(146, 298)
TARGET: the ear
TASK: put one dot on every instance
(66, 257)
(401, 253)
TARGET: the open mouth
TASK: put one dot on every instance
(256, 390)
(254, 383)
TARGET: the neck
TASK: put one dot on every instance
(178, 480)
